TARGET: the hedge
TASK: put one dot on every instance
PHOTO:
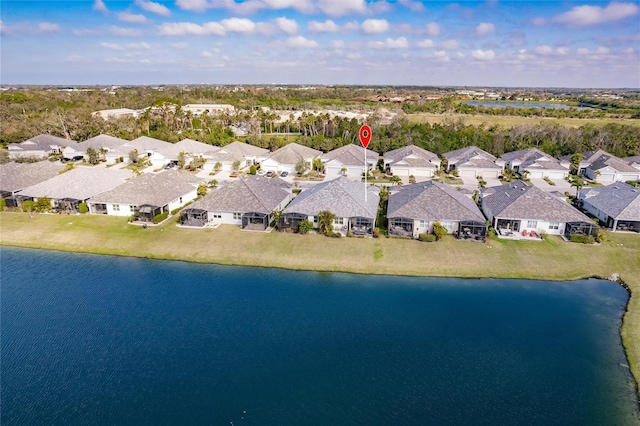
(160, 217)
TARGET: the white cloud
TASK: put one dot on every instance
(544, 50)
(425, 44)
(99, 6)
(375, 26)
(194, 5)
(247, 6)
(131, 18)
(389, 43)
(181, 45)
(28, 28)
(379, 7)
(414, 6)
(323, 27)
(153, 7)
(47, 28)
(239, 25)
(342, 7)
(450, 45)
(483, 55)
(581, 16)
(124, 32)
(189, 28)
(485, 28)
(129, 46)
(288, 26)
(113, 46)
(432, 29)
(337, 44)
(300, 41)
(538, 22)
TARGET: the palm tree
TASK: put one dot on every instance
(578, 183)
(396, 180)
(325, 222)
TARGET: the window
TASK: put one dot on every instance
(339, 221)
(424, 224)
(132, 209)
(315, 219)
(237, 216)
(217, 216)
(554, 225)
(447, 224)
(532, 224)
(116, 207)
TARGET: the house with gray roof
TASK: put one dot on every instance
(537, 164)
(349, 160)
(354, 211)
(190, 148)
(14, 177)
(588, 157)
(617, 205)
(248, 202)
(411, 160)
(285, 159)
(147, 195)
(473, 162)
(109, 148)
(519, 208)
(413, 209)
(69, 189)
(150, 147)
(608, 168)
(224, 157)
(633, 161)
(40, 146)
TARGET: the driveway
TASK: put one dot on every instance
(561, 185)
(471, 183)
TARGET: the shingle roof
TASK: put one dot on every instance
(533, 158)
(254, 194)
(413, 156)
(519, 201)
(341, 196)
(151, 189)
(292, 153)
(145, 143)
(471, 156)
(632, 160)
(587, 156)
(236, 151)
(607, 160)
(16, 176)
(102, 141)
(350, 155)
(42, 142)
(617, 200)
(187, 146)
(80, 183)
(433, 201)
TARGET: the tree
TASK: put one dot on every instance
(305, 226)
(202, 190)
(133, 156)
(576, 159)
(301, 166)
(182, 160)
(325, 222)
(396, 180)
(236, 165)
(444, 164)
(439, 231)
(508, 174)
(317, 164)
(578, 182)
(94, 158)
(213, 183)
(218, 166)
(42, 204)
(277, 215)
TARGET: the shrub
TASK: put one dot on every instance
(160, 217)
(3, 204)
(43, 204)
(83, 208)
(602, 236)
(305, 226)
(439, 231)
(583, 239)
(376, 232)
(336, 235)
(27, 206)
(427, 238)
(253, 170)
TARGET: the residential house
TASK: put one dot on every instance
(411, 160)
(519, 209)
(473, 162)
(588, 157)
(617, 205)
(349, 160)
(190, 149)
(38, 147)
(608, 168)
(633, 161)
(248, 202)
(147, 195)
(286, 158)
(354, 211)
(107, 147)
(107, 114)
(71, 188)
(240, 153)
(14, 177)
(535, 164)
(413, 209)
(150, 147)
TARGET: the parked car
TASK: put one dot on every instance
(171, 164)
(77, 158)
(284, 174)
(270, 174)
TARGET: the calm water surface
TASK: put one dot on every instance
(103, 340)
(521, 104)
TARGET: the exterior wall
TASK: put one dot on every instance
(423, 226)
(596, 212)
(269, 165)
(226, 218)
(116, 209)
(13, 154)
(541, 226)
(179, 202)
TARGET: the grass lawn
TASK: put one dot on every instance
(507, 121)
(553, 259)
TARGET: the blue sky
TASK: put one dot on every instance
(401, 42)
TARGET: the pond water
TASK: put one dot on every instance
(521, 104)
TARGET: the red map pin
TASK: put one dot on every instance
(365, 135)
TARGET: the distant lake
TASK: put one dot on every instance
(100, 340)
(521, 104)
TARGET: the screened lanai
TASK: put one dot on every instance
(146, 213)
(401, 226)
(581, 228)
(472, 230)
(254, 221)
(361, 226)
(291, 221)
(193, 217)
(67, 205)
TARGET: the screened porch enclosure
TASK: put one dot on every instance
(472, 230)
(581, 228)
(99, 208)
(9, 199)
(193, 217)
(255, 221)
(69, 205)
(291, 221)
(511, 225)
(628, 225)
(401, 226)
(361, 226)
(146, 213)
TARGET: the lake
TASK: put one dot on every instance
(521, 104)
(105, 340)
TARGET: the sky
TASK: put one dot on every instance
(588, 44)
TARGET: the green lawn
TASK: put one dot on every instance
(553, 259)
(508, 121)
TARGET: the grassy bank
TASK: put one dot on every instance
(508, 121)
(549, 260)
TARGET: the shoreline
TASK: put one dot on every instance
(229, 246)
